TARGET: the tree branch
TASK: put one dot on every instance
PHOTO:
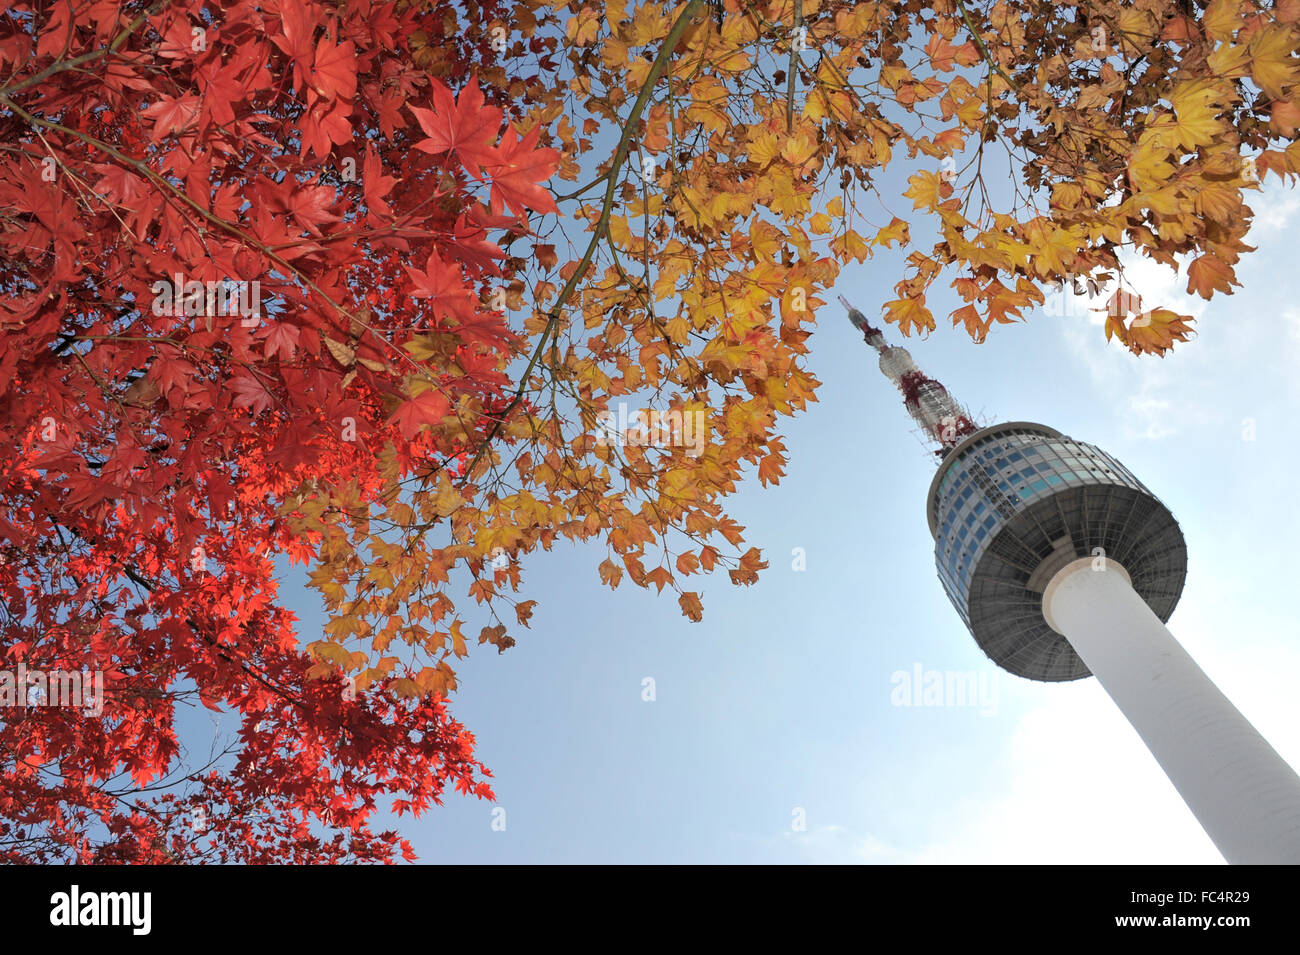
(789, 79)
(602, 223)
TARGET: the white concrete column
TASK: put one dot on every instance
(1240, 790)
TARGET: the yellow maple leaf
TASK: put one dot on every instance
(799, 147)
(764, 145)
(897, 231)
(969, 316)
(613, 53)
(1272, 59)
(850, 245)
(925, 189)
(619, 233)
(909, 313)
(1152, 332)
(1222, 17)
(1196, 108)
(458, 640)
(583, 29)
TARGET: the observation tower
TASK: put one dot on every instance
(1063, 565)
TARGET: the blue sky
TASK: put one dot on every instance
(776, 710)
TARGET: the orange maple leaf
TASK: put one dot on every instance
(1209, 274)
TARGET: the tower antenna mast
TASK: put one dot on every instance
(943, 421)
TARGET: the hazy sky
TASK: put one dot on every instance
(780, 707)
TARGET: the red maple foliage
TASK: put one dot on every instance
(158, 156)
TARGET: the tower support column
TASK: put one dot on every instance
(1241, 791)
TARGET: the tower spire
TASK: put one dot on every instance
(944, 421)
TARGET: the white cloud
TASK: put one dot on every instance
(1291, 319)
(1274, 210)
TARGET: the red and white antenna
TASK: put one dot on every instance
(939, 416)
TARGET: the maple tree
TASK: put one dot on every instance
(663, 190)
(243, 252)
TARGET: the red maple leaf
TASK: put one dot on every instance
(250, 393)
(375, 184)
(334, 74)
(173, 373)
(297, 26)
(283, 338)
(429, 407)
(463, 127)
(515, 167)
(485, 328)
(171, 114)
(389, 105)
(474, 247)
(443, 284)
(310, 206)
(320, 128)
(221, 90)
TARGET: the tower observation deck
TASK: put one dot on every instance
(1062, 565)
(1010, 506)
